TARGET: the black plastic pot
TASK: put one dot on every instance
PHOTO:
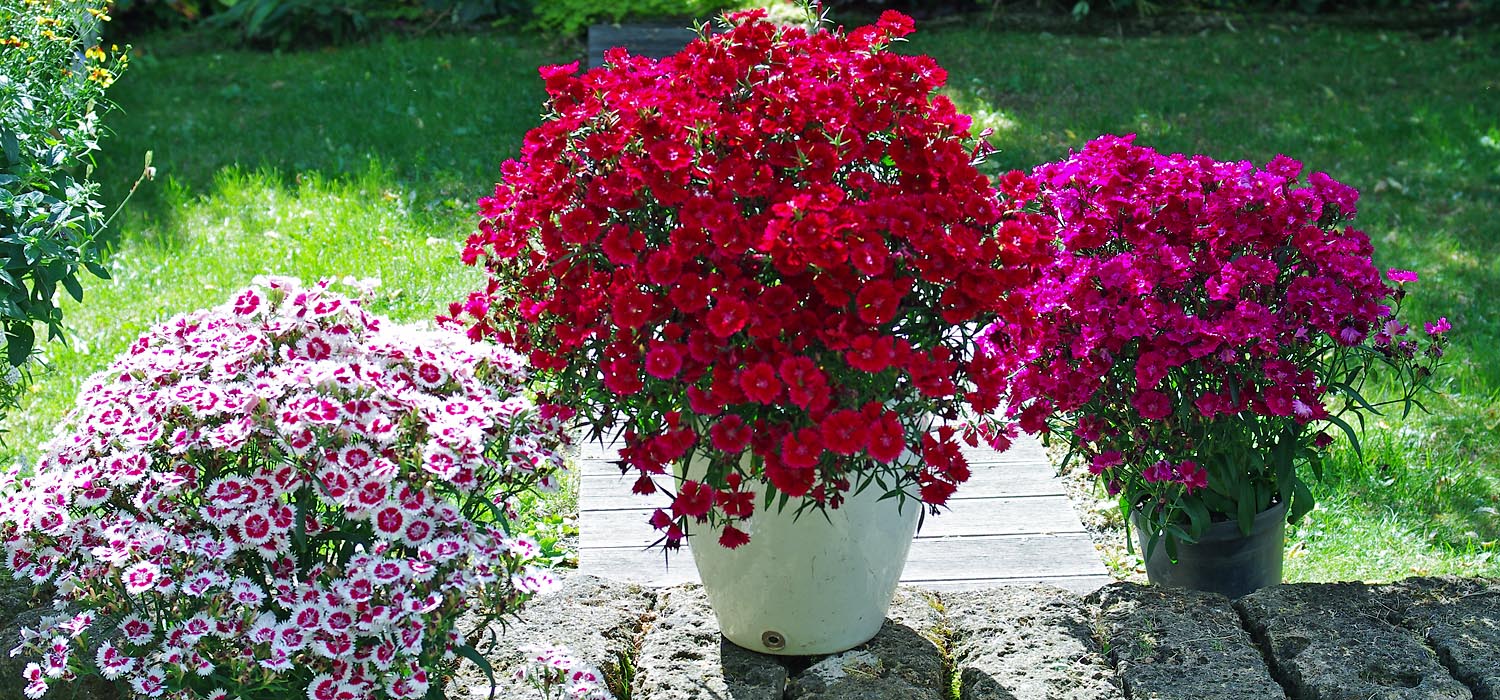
(1223, 560)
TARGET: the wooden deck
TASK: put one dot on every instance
(1010, 524)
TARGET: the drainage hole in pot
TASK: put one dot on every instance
(773, 640)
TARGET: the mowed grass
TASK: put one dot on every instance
(366, 160)
(1414, 124)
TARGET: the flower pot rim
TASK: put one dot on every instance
(1226, 530)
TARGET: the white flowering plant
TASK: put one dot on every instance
(280, 496)
(557, 673)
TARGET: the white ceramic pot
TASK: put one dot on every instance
(808, 585)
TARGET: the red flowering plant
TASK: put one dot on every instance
(774, 246)
(1201, 326)
(282, 496)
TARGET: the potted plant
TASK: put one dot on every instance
(762, 261)
(284, 496)
(1202, 328)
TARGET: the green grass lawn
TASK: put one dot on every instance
(366, 161)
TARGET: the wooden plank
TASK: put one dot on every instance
(934, 561)
(643, 567)
(604, 480)
(967, 518)
(1024, 470)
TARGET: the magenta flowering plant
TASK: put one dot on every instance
(1201, 327)
(280, 497)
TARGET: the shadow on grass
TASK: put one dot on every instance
(440, 114)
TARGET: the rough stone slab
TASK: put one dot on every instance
(904, 661)
(683, 657)
(1026, 643)
(1171, 644)
(597, 619)
(1337, 642)
(1460, 619)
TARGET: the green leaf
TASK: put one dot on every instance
(1350, 392)
(99, 271)
(11, 146)
(1302, 502)
(468, 652)
(75, 289)
(1246, 506)
(1353, 438)
(1197, 516)
(19, 340)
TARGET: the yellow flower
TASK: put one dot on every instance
(95, 54)
(49, 21)
(101, 76)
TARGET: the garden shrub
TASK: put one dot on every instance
(572, 17)
(284, 496)
(286, 23)
(52, 82)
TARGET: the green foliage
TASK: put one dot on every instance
(52, 82)
(288, 22)
(572, 17)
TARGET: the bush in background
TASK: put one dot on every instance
(52, 81)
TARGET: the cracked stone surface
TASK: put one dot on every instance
(1460, 619)
(1419, 639)
(1026, 643)
(902, 662)
(1171, 644)
(1337, 641)
(597, 619)
(683, 657)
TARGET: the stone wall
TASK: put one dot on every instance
(1420, 639)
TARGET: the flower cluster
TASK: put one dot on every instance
(775, 241)
(282, 495)
(1195, 324)
(555, 668)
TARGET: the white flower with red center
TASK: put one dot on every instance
(112, 662)
(410, 498)
(414, 686)
(440, 461)
(371, 494)
(389, 522)
(531, 579)
(314, 347)
(333, 645)
(151, 683)
(36, 681)
(247, 592)
(263, 629)
(291, 636)
(141, 577)
(356, 457)
(429, 375)
(416, 532)
(337, 621)
(336, 485)
(137, 630)
(256, 526)
(249, 302)
(278, 659)
(411, 637)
